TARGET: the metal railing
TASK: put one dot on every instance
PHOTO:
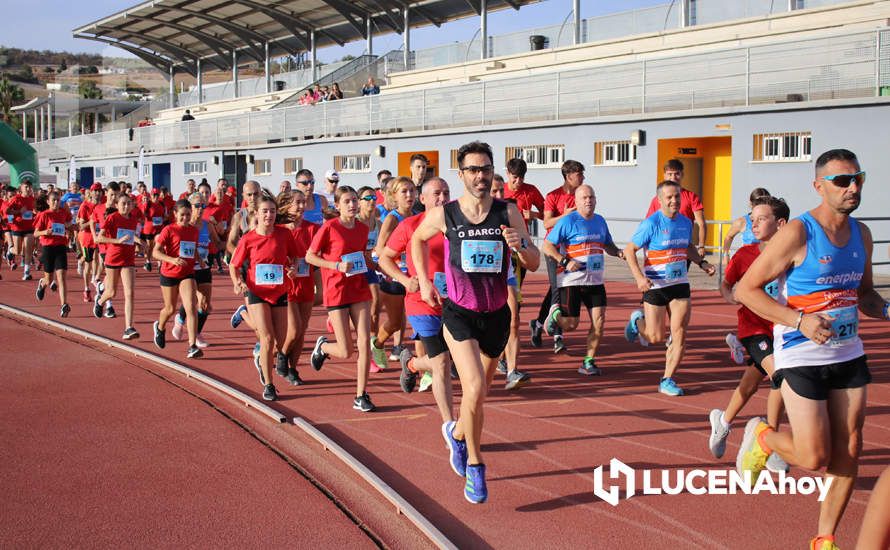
(846, 66)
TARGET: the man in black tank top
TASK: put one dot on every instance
(475, 316)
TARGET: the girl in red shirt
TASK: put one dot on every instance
(154, 213)
(52, 228)
(338, 248)
(118, 234)
(269, 253)
(85, 238)
(301, 296)
(177, 249)
(20, 216)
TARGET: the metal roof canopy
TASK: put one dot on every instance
(67, 104)
(176, 33)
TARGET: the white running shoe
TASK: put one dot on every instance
(717, 441)
(201, 342)
(176, 331)
(736, 349)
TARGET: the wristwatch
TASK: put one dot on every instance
(564, 262)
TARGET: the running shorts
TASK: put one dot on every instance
(429, 328)
(54, 258)
(571, 298)
(817, 382)
(490, 329)
(665, 295)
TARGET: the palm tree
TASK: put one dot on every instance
(87, 89)
(10, 94)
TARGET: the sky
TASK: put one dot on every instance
(47, 24)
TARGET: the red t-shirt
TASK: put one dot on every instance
(749, 323)
(332, 241)
(24, 219)
(98, 219)
(85, 214)
(268, 258)
(303, 286)
(400, 241)
(689, 203)
(169, 206)
(179, 242)
(557, 201)
(115, 227)
(185, 195)
(527, 197)
(154, 218)
(221, 213)
(58, 221)
(380, 198)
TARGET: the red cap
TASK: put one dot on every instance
(96, 187)
(230, 190)
(155, 191)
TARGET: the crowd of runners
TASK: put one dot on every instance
(400, 261)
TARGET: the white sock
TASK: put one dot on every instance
(723, 421)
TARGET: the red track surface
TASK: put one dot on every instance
(541, 443)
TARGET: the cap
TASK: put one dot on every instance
(230, 190)
(332, 175)
(155, 191)
(96, 187)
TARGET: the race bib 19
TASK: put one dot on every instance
(58, 229)
(269, 274)
(481, 256)
(186, 249)
(357, 259)
(128, 236)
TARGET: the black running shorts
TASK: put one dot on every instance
(665, 295)
(490, 329)
(817, 382)
(54, 258)
(571, 298)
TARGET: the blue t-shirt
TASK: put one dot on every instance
(583, 241)
(665, 241)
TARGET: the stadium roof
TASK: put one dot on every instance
(176, 32)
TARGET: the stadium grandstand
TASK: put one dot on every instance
(743, 93)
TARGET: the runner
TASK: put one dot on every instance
(89, 251)
(392, 294)
(769, 214)
(338, 248)
(219, 211)
(98, 215)
(576, 243)
(20, 216)
(510, 358)
(823, 262)
(154, 213)
(118, 234)
(875, 531)
(558, 203)
(190, 188)
(331, 180)
(431, 350)
(243, 221)
(316, 206)
(176, 250)
(269, 253)
(690, 204)
(666, 237)
(368, 215)
(527, 195)
(476, 318)
(72, 200)
(301, 295)
(52, 227)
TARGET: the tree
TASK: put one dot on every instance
(63, 66)
(10, 94)
(87, 89)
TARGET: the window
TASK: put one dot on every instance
(293, 165)
(146, 171)
(454, 165)
(538, 156)
(352, 163)
(120, 171)
(787, 146)
(195, 168)
(614, 153)
(99, 173)
(262, 167)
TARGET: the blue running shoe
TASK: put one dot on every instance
(236, 317)
(475, 490)
(669, 387)
(458, 449)
(630, 331)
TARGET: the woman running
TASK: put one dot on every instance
(270, 253)
(369, 215)
(154, 213)
(20, 215)
(51, 226)
(119, 237)
(339, 250)
(89, 252)
(176, 250)
(301, 296)
(392, 294)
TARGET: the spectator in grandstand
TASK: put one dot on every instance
(370, 88)
(335, 93)
(145, 122)
(187, 116)
(317, 94)
(306, 98)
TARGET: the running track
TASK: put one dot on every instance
(541, 443)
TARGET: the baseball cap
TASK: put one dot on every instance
(230, 190)
(96, 187)
(155, 191)
(332, 175)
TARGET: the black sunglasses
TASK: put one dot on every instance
(844, 180)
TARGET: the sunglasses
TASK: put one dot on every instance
(844, 180)
(473, 170)
(306, 182)
(369, 198)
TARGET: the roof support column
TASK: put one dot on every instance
(684, 14)
(200, 81)
(171, 88)
(483, 26)
(268, 69)
(235, 73)
(36, 126)
(576, 23)
(368, 38)
(42, 133)
(49, 117)
(792, 5)
(406, 38)
(24, 126)
(312, 57)
(96, 121)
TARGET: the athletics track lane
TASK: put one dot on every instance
(543, 442)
